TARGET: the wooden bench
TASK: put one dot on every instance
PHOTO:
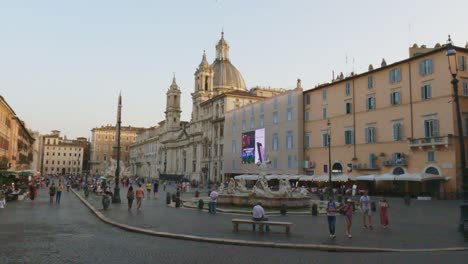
(261, 224)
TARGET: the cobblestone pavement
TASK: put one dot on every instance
(424, 224)
(69, 233)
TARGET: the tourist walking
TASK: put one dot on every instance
(258, 214)
(130, 197)
(148, 189)
(32, 191)
(140, 194)
(347, 210)
(59, 193)
(52, 191)
(155, 189)
(2, 199)
(365, 204)
(331, 216)
(212, 203)
(384, 212)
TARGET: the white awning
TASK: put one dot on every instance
(385, 177)
(282, 177)
(324, 178)
(365, 177)
(419, 177)
(248, 177)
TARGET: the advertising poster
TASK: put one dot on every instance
(248, 147)
(260, 145)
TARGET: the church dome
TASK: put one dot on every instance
(225, 75)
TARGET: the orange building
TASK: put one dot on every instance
(396, 122)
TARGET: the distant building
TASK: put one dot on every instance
(61, 156)
(16, 142)
(104, 145)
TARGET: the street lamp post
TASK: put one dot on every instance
(453, 67)
(330, 185)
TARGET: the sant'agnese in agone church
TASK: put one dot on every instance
(176, 149)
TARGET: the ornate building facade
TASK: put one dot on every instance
(194, 150)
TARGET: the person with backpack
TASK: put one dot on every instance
(331, 216)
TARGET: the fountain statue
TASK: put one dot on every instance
(237, 193)
(112, 166)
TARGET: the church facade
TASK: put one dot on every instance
(176, 149)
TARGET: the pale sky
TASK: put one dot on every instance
(63, 63)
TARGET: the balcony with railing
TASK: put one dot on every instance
(430, 142)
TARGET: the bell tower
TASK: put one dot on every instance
(203, 85)
(173, 106)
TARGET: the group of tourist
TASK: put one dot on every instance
(131, 194)
(347, 210)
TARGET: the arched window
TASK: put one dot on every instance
(398, 171)
(337, 168)
(432, 170)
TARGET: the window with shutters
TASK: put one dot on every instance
(349, 136)
(233, 147)
(348, 108)
(461, 63)
(262, 122)
(275, 143)
(289, 140)
(307, 99)
(325, 139)
(370, 135)
(252, 122)
(465, 121)
(370, 82)
(243, 125)
(426, 92)
(370, 103)
(430, 156)
(465, 88)
(290, 162)
(307, 116)
(289, 99)
(289, 114)
(307, 140)
(348, 88)
(394, 75)
(324, 113)
(426, 67)
(395, 98)
(372, 158)
(324, 94)
(275, 117)
(431, 128)
(397, 131)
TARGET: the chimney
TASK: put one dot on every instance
(384, 63)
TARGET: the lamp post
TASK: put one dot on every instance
(330, 185)
(453, 67)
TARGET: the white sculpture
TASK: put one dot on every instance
(110, 170)
(231, 186)
(241, 186)
(284, 188)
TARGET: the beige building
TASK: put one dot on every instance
(397, 119)
(16, 142)
(104, 144)
(271, 129)
(61, 156)
(194, 149)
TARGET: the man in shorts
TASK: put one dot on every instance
(365, 204)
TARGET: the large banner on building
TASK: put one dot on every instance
(248, 147)
(260, 145)
(253, 146)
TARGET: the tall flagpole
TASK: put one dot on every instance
(116, 198)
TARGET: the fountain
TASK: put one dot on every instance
(112, 165)
(237, 193)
